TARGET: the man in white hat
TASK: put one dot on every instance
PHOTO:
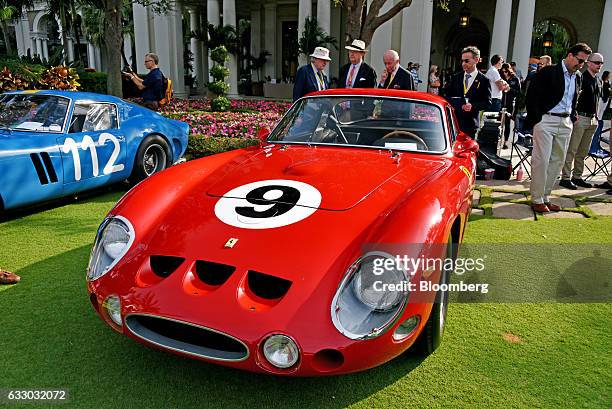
(357, 74)
(311, 78)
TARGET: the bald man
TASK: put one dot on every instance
(394, 76)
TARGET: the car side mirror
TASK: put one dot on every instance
(263, 134)
(464, 146)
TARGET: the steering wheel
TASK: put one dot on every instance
(407, 134)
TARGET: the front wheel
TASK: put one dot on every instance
(431, 336)
(153, 155)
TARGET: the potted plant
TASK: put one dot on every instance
(257, 63)
(313, 36)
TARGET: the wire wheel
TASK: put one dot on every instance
(154, 159)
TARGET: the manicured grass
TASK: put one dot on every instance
(493, 355)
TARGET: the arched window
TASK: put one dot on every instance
(552, 37)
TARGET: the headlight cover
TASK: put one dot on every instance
(364, 306)
(114, 238)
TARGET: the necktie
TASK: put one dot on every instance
(349, 81)
(321, 81)
(466, 83)
(390, 80)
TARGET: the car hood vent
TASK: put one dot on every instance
(163, 266)
(214, 274)
(267, 286)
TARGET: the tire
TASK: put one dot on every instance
(431, 335)
(153, 156)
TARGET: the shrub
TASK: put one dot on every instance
(220, 104)
(218, 87)
(93, 82)
(219, 55)
(29, 72)
(60, 78)
(11, 82)
(202, 145)
(219, 72)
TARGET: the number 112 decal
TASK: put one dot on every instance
(71, 146)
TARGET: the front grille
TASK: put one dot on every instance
(188, 338)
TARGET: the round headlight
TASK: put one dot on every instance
(115, 236)
(281, 351)
(371, 296)
(112, 306)
(380, 292)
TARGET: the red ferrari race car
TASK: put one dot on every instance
(282, 258)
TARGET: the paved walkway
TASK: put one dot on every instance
(510, 199)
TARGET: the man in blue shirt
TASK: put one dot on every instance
(551, 108)
(152, 84)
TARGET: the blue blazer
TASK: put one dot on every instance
(306, 82)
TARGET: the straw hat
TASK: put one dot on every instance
(357, 45)
(321, 53)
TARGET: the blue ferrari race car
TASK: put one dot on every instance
(58, 143)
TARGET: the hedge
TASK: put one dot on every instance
(202, 145)
(93, 82)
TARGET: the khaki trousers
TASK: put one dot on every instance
(580, 142)
(550, 139)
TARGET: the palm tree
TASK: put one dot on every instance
(9, 10)
(59, 9)
(6, 14)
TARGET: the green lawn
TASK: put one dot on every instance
(502, 355)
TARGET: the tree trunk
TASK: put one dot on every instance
(113, 10)
(76, 31)
(64, 34)
(7, 40)
(362, 25)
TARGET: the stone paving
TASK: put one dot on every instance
(475, 198)
(507, 210)
(561, 215)
(505, 193)
(502, 192)
(507, 196)
(601, 209)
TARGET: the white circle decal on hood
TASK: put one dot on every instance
(268, 204)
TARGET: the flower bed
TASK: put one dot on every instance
(243, 120)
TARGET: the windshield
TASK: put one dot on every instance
(380, 122)
(32, 112)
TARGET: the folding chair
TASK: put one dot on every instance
(600, 156)
(522, 144)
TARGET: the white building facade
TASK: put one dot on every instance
(421, 33)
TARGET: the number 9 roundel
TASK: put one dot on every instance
(268, 204)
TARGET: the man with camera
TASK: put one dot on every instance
(152, 84)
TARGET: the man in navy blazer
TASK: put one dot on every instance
(551, 109)
(357, 74)
(394, 76)
(311, 78)
(469, 92)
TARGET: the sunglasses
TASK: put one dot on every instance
(597, 62)
(580, 60)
